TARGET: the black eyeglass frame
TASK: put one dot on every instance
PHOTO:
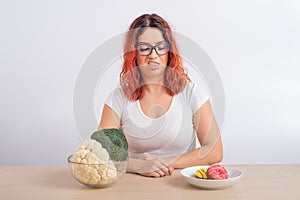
(153, 47)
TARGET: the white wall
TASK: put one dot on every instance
(255, 46)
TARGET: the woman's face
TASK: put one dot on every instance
(153, 65)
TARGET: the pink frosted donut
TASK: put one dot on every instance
(217, 172)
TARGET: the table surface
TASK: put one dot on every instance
(37, 182)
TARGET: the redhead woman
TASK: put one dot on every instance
(159, 109)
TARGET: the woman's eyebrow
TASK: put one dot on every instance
(151, 44)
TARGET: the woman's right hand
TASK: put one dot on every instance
(153, 166)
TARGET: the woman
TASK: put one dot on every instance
(159, 109)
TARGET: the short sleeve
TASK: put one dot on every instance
(198, 95)
(115, 101)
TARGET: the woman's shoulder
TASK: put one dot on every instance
(118, 89)
(117, 94)
(189, 85)
(192, 87)
(196, 94)
(116, 100)
(189, 88)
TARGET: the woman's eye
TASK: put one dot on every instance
(162, 47)
(144, 49)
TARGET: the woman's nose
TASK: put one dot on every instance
(153, 54)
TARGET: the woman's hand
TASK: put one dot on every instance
(153, 166)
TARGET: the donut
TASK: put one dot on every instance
(217, 172)
(201, 173)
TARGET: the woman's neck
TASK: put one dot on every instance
(154, 85)
(154, 88)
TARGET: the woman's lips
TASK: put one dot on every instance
(153, 65)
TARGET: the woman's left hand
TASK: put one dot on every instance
(168, 170)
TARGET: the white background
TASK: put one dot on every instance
(254, 45)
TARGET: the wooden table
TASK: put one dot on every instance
(258, 182)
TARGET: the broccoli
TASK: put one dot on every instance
(114, 141)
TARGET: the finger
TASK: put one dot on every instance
(160, 172)
(157, 167)
(165, 170)
(161, 166)
(171, 169)
(155, 174)
(150, 174)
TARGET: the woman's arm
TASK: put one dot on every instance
(211, 150)
(109, 119)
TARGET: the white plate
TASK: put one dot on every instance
(189, 176)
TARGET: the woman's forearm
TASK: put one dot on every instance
(132, 165)
(204, 155)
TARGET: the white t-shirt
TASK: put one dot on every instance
(171, 134)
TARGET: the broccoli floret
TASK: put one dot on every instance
(114, 141)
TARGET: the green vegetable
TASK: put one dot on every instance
(114, 141)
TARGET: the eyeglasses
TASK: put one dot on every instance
(145, 49)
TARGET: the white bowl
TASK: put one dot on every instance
(189, 176)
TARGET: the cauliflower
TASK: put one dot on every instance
(91, 164)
